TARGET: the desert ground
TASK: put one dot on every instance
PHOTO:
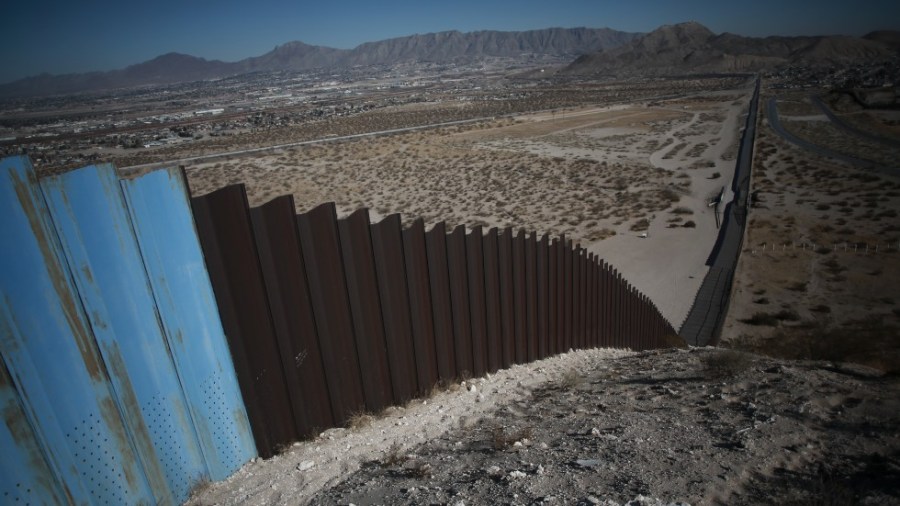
(702, 426)
(818, 275)
(603, 176)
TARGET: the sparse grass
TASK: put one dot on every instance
(771, 319)
(359, 420)
(571, 379)
(393, 456)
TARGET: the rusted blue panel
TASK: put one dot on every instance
(93, 225)
(52, 358)
(25, 476)
(164, 226)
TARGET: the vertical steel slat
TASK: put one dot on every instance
(94, 227)
(439, 277)
(583, 298)
(568, 292)
(605, 310)
(577, 274)
(365, 309)
(521, 339)
(50, 353)
(589, 304)
(161, 215)
(507, 300)
(477, 313)
(543, 296)
(492, 300)
(284, 274)
(552, 298)
(419, 286)
(561, 283)
(226, 236)
(321, 249)
(531, 296)
(459, 300)
(387, 241)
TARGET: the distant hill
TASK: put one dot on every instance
(693, 48)
(433, 47)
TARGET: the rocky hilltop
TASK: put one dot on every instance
(693, 48)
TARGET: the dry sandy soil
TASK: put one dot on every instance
(602, 176)
(818, 277)
(700, 426)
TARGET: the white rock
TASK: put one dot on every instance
(515, 475)
(472, 388)
(306, 465)
(540, 470)
(494, 471)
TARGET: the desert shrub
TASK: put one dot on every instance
(640, 225)
(682, 210)
(725, 363)
(689, 224)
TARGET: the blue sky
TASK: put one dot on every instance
(77, 36)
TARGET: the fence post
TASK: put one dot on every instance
(321, 247)
(387, 242)
(439, 278)
(492, 300)
(477, 313)
(459, 300)
(507, 300)
(284, 273)
(417, 279)
(366, 314)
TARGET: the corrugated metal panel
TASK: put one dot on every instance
(25, 475)
(531, 325)
(223, 225)
(93, 224)
(518, 274)
(492, 301)
(507, 301)
(321, 247)
(284, 273)
(419, 286)
(161, 215)
(52, 357)
(365, 308)
(543, 296)
(439, 277)
(387, 243)
(475, 266)
(459, 300)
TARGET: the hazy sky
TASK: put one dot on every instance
(78, 36)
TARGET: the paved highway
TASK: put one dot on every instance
(847, 127)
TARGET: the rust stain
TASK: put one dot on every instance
(135, 420)
(22, 433)
(58, 277)
(88, 275)
(110, 414)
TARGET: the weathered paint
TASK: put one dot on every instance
(96, 233)
(25, 476)
(164, 226)
(51, 354)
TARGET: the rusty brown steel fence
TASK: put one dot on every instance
(330, 317)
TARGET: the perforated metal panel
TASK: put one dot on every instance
(97, 462)
(52, 358)
(164, 227)
(25, 476)
(95, 230)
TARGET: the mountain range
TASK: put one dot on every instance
(682, 48)
(692, 48)
(298, 56)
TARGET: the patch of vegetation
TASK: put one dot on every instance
(725, 363)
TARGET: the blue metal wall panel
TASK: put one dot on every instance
(90, 216)
(163, 223)
(25, 476)
(52, 358)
